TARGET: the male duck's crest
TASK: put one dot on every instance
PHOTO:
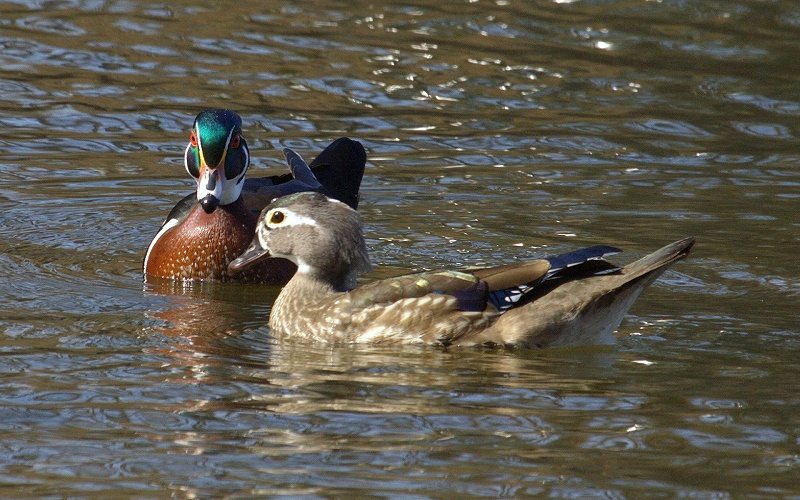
(208, 229)
(573, 298)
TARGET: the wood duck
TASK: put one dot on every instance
(207, 230)
(577, 298)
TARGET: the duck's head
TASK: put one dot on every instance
(322, 236)
(217, 156)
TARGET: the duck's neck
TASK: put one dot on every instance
(302, 303)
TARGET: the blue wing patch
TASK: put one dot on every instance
(472, 298)
(580, 263)
(504, 300)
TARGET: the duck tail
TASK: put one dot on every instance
(582, 311)
(661, 258)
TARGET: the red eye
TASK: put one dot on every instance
(235, 141)
(193, 139)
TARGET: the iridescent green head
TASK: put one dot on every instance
(217, 156)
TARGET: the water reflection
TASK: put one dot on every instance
(296, 377)
(308, 403)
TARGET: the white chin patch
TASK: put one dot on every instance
(302, 266)
(232, 191)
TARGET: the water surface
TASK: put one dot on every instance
(495, 131)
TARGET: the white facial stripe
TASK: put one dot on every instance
(199, 145)
(186, 157)
(290, 219)
(228, 141)
(261, 233)
(246, 157)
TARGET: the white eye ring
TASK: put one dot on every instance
(282, 217)
(275, 218)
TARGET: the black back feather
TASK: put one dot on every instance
(339, 168)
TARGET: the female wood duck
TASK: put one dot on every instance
(570, 299)
(207, 230)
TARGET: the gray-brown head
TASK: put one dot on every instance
(322, 236)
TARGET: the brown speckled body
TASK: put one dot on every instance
(408, 309)
(202, 246)
(402, 310)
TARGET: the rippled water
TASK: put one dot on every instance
(495, 131)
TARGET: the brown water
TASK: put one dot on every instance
(495, 131)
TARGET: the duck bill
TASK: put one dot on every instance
(251, 256)
(211, 185)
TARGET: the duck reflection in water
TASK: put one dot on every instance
(217, 343)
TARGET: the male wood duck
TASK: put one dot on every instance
(570, 299)
(207, 230)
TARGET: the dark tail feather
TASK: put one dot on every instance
(340, 167)
(566, 260)
(661, 257)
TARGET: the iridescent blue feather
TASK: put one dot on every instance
(580, 263)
